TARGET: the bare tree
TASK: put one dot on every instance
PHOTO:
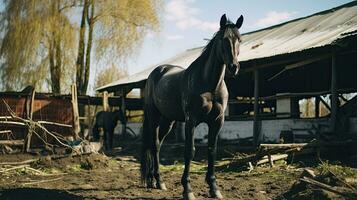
(108, 75)
(116, 27)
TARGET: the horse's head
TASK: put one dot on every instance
(230, 41)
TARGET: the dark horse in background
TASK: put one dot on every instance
(195, 95)
(105, 123)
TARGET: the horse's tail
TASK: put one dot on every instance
(146, 160)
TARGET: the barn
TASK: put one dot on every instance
(311, 59)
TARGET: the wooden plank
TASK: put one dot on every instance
(55, 124)
(290, 145)
(272, 159)
(6, 132)
(306, 94)
(13, 123)
(346, 193)
(12, 142)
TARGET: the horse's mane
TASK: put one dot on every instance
(207, 49)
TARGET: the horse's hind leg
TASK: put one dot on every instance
(165, 127)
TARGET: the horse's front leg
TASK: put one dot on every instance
(213, 132)
(189, 154)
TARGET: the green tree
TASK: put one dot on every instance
(37, 44)
(42, 43)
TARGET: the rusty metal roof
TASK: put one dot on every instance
(314, 31)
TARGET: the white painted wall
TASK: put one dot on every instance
(270, 130)
(231, 130)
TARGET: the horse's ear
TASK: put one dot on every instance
(239, 21)
(223, 21)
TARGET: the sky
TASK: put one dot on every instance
(186, 24)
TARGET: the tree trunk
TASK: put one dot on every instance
(55, 56)
(89, 46)
(81, 50)
(55, 80)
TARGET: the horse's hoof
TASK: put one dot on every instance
(150, 185)
(217, 194)
(162, 186)
(189, 196)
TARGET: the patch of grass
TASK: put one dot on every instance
(74, 168)
(112, 162)
(195, 167)
(339, 170)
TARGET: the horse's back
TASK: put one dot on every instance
(163, 90)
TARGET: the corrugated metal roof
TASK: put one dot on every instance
(309, 32)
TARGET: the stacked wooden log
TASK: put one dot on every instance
(269, 153)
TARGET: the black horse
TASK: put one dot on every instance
(195, 95)
(105, 122)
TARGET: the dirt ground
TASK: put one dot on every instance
(116, 176)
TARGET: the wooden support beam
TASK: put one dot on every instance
(334, 94)
(317, 107)
(299, 64)
(123, 107)
(105, 101)
(324, 103)
(256, 125)
(76, 125)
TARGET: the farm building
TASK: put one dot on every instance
(313, 58)
(20, 111)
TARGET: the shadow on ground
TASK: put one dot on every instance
(36, 194)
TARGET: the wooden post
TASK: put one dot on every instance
(76, 125)
(105, 101)
(256, 128)
(142, 93)
(30, 103)
(124, 112)
(317, 107)
(334, 94)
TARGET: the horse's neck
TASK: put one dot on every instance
(213, 71)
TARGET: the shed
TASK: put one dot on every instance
(310, 56)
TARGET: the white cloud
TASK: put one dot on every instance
(174, 37)
(185, 16)
(150, 34)
(274, 17)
